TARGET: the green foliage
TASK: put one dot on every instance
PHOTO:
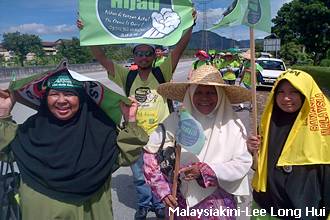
(305, 22)
(22, 44)
(118, 52)
(72, 50)
(320, 75)
(325, 62)
(291, 53)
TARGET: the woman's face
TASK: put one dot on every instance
(63, 105)
(205, 99)
(288, 98)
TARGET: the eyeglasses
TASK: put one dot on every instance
(147, 53)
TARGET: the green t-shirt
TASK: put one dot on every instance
(229, 75)
(198, 63)
(247, 73)
(158, 61)
(217, 62)
(153, 108)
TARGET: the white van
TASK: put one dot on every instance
(272, 69)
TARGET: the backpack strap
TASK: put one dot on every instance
(157, 72)
(195, 64)
(132, 74)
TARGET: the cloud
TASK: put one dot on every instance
(237, 32)
(42, 29)
(212, 16)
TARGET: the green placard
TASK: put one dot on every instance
(134, 21)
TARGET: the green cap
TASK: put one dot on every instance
(63, 81)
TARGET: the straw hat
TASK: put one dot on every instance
(204, 75)
(246, 55)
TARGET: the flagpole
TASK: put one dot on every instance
(176, 174)
(254, 92)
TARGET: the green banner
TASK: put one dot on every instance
(252, 13)
(134, 21)
(258, 15)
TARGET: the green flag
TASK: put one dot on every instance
(131, 21)
(30, 90)
(252, 13)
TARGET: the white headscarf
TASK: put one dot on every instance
(224, 150)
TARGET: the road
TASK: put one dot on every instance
(123, 193)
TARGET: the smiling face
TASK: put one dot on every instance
(63, 105)
(205, 99)
(144, 56)
(288, 98)
(159, 52)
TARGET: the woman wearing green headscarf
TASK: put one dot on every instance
(67, 151)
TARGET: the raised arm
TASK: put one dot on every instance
(180, 47)
(106, 62)
(182, 44)
(99, 54)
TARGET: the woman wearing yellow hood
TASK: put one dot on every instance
(293, 168)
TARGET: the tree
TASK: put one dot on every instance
(291, 53)
(72, 50)
(22, 44)
(305, 22)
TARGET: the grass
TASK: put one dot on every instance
(321, 75)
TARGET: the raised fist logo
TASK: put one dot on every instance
(163, 23)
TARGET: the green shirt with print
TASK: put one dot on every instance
(230, 75)
(158, 61)
(153, 108)
(247, 73)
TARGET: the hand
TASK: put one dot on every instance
(170, 201)
(191, 172)
(194, 15)
(80, 24)
(253, 143)
(129, 111)
(7, 102)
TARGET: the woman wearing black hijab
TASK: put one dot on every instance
(293, 169)
(67, 151)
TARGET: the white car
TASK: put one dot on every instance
(272, 69)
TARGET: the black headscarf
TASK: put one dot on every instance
(67, 160)
(280, 126)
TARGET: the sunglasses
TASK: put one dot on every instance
(147, 53)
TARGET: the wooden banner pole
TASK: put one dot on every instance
(254, 93)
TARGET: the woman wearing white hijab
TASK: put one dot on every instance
(210, 179)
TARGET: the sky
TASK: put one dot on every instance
(55, 19)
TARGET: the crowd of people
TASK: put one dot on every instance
(68, 150)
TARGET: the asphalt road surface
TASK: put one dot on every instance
(123, 192)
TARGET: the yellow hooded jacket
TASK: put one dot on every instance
(309, 139)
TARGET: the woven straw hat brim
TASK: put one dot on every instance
(177, 90)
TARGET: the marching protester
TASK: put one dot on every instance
(293, 168)
(245, 77)
(202, 59)
(211, 176)
(228, 68)
(160, 58)
(153, 109)
(67, 151)
(217, 61)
